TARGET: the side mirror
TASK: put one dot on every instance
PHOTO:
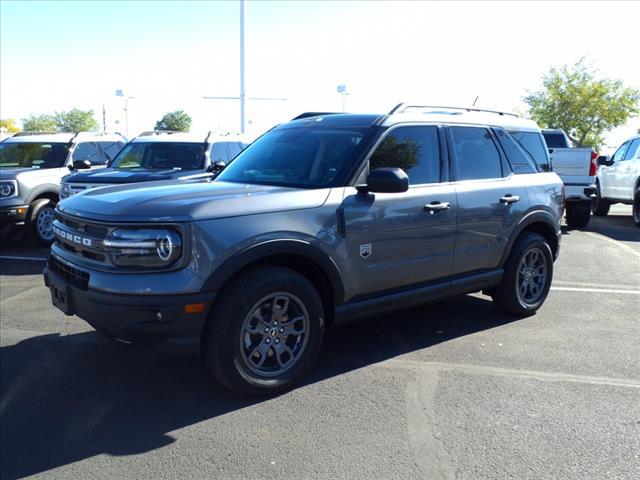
(81, 165)
(386, 180)
(604, 160)
(550, 150)
(216, 167)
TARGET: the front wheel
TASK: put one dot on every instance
(264, 331)
(527, 276)
(40, 223)
(578, 214)
(636, 207)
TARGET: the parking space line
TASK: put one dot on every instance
(596, 290)
(613, 242)
(512, 372)
(595, 285)
(12, 257)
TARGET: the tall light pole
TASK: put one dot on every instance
(242, 93)
(342, 90)
(120, 93)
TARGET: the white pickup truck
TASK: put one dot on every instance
(619, 179)
(577, 169)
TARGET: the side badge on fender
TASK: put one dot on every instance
(365, 250)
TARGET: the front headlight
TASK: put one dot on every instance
(8, 188)
(65, 190)
(144, 247)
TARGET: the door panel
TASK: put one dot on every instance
(407, 243)
(611, 175)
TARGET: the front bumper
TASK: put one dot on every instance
(13, 215)
(127, 317)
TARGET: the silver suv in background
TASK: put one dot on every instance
(31, 167)
(159, 155)
(322, 220)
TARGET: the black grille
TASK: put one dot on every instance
(75, 277)
(81, 231)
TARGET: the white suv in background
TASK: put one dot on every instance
(618, 179)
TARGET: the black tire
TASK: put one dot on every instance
(599, 206)
(578, 214)
(230, 341)
(636, 207)
(507, 294)
(38, 226)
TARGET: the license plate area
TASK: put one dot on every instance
(60, 296)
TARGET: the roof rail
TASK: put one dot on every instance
(158, 132)
(26, 134)
(401, 108)
(313, 114)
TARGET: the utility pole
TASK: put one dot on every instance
(243, 97)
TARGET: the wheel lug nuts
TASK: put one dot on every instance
(266, 330)
(267, 341)
(281, 330)
(275, 323)
(277, 340)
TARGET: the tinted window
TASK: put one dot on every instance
(88, 151)
(219, 153)
(110, 149)
(161, 156)
(633, 150)
(303, 157)
(534, 145)
(476, 154)
(619, 155)
(234, 149)
(414, 149)
(555, 140)
(33, 155)
(520, 161)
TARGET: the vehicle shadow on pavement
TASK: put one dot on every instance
(616, 227)
(68, 398)
(21, 267)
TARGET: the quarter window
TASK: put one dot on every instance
(533, 144)
(414, 149)
(520, 161)
(476, 154)
(88, 151)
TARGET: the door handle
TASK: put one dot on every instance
(509, 199)
(434, 207)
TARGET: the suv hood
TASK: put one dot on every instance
(11, 173)
(121, 175)
(170, 201)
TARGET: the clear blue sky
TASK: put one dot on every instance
(57, 55)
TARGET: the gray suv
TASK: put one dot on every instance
(322, 220)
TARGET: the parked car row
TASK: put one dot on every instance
(38, 169)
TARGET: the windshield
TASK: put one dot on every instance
(304, 157)
(33, 155)
(532, 143)
(160, 156)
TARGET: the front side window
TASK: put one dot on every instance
(32, 155)
(477, 156)
(300, 157)
(415, 150)
(161, 156)
(534, 145)
(619, 155)
(633, 151)
(87, 151)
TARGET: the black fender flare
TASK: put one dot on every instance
(537, 216)
(269, 248)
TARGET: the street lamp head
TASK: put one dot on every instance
(342, 89)
(119, 93)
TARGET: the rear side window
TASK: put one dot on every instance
(219, 153)
(88, 151)
(555, 140)
(416, 150)
(110, 149)
(633, 151)
(534, 145)
(477, 156)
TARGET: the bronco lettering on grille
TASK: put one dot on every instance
(87, 242)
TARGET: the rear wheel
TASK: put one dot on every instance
(636, 207)
(527, 276)
(578, 214)
(599, 206)
(264, 331)
(39, 227)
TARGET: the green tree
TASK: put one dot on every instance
(584, 105)
(177, 121)
(10, 125)
(393, 153)
(39, 123)
(76, 120)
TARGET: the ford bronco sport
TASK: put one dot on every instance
(31, 166)
(322, 220)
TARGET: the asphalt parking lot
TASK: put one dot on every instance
(450, 390)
